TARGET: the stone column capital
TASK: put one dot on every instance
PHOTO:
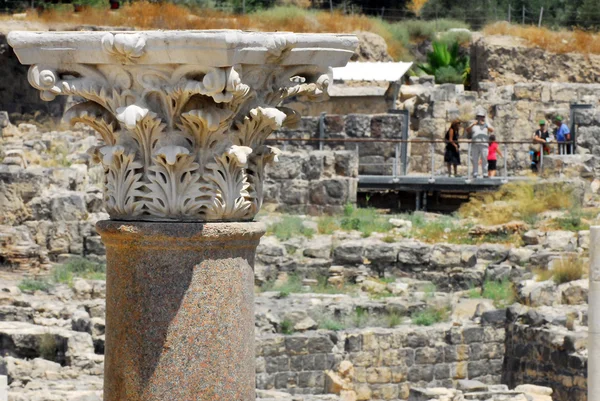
(183, 115)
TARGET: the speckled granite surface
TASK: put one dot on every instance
(179, 316)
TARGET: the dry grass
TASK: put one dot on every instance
(566, 269)
(145, 15)
(569, 268)
(518, 201)
(563, 41)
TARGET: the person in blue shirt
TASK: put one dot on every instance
(563, 134)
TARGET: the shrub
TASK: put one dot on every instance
(568, 269)
(394, 319)
(572, 221)
(427, 29)
(430, 316)
(501, 292)
(78, 267)
(365, 220)
(448, 75)
(287, 327)
(331, 324)
(288, 227)
(390, 239)
(292, 285)
(461, 37)
(429, 290)
(327, 225)
(519, 200)
(34, 284)
(444, 229)
(360, 317)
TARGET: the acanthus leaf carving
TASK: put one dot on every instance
(182, 142)
(174, 188)
(256, 127)
(96, 117)
(123, 185)
(227, 178)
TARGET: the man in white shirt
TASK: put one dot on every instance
(479, 133)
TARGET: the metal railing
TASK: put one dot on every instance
(400, 160)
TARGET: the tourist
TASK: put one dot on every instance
(479, 133)
(493, 153)
(452, 154)
(563, 136)
(541, 137)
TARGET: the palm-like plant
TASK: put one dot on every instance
(446, 64)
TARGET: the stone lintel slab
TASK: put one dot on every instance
(215, 48)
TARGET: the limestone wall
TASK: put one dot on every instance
(508, 60)
(312, 182)
(349, 126)
(386, 361)
(513, 110)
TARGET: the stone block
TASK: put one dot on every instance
(459, 370)
(313, 165)
(346, 163)
(294, 192)
(418, 373)
(492, 252)
(374, 165)
(456, 353)
(441, 371)
(320, 345)
(289, 166)
(445, 255)
(407, 356)
(473, 335)
(93, 246)
(386, 126)
(399, 373)
(358, 126)
(363, 392)
(348, 252)
(425, 356)
(296, 345)
(564, 92)
(432, 128)
(478, 368)
(381, 252)
(379, 375)
(528, 91)
(413, 253)
(334, 124)
(277, 364)
(335, 191)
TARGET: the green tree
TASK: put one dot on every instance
(589, 14)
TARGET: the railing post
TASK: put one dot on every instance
(395, 172)
(505, 180)
(321, 130)
(432, 147)
(541, 168)
(469, 163)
